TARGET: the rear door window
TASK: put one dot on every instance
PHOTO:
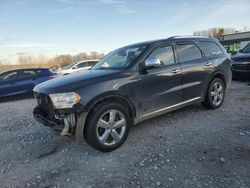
(188, 52)
(92, 63)
(23, 74)
(44, 72)
(211, 48)
(82, 65)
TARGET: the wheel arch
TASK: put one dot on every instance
(211, 78)
(113, 97)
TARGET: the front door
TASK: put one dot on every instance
(160, 87)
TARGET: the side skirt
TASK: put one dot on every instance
(164, 110)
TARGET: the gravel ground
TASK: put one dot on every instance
(191, 147)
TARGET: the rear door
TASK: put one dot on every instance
(8, 82)
(43, 75)
(194, 71)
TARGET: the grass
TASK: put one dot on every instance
(18, 66)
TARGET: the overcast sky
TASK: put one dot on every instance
(53, 27)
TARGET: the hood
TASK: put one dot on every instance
(241, 57)
(72, 82)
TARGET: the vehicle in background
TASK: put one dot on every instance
(241, 63)
(77, 66)
(22, 81)
(133, 84)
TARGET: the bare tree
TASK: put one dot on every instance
(246, 28)
(26, 59)
(215, 32)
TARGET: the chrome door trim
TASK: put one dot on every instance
(166, 109)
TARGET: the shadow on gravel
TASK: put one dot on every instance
(15, 98)
(243, 79)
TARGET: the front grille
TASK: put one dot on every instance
(44, 104)
(241, 67)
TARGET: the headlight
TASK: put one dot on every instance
(64, 100)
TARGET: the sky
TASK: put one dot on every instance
(54, 27)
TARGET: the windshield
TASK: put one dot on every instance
(69, 66)
(246, 49)
(120, 58)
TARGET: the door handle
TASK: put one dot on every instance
(208, 64)
(175, 71)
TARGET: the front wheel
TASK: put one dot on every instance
(107, 126)
(215, 94)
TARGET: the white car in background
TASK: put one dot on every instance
(77, 66)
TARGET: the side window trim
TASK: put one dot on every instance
(176, 43)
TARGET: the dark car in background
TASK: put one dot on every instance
(22, 81)
(241, 63)
(133, 84)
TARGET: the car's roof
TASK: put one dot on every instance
(17, 69)
(189, 37)
(87, 60)
(173, 38)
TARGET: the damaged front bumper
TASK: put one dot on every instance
(68, 122)
(63, 121)
(52, 122)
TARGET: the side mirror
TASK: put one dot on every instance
(152, 62)
(240, 51)
(75, 67)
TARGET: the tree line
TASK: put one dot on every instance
(218, 32)
(59, 60)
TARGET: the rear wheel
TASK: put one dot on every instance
(215, 94)
(107, 127)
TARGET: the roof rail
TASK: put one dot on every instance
(187, 36)
(173, 37)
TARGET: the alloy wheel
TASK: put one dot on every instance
(111, 127)
(217, 93)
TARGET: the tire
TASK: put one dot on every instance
(215, 94)
(107, 126)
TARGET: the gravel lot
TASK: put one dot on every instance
(191, 147)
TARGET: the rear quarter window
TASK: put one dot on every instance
(211, 48)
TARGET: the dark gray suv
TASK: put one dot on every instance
(133, 84)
